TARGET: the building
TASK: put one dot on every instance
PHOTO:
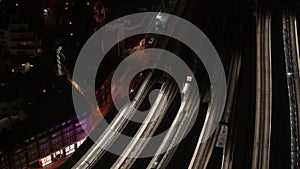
(20, 38)
(3, 38)
(3, 161)
(49, 146)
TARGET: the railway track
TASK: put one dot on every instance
(262, 131)
(117, 126)
(291, 54)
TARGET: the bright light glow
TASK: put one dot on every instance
(80, 142)
(70, 23)
(297, 42)
(57, 154)
(142, 42)
(13, 70)
(66, 8)
(17, 4)
(59, 68)
(158, 16)
(44, 91)
(88, 3)
(58, 50)
(75, 84)
(71, 34)
(185, 88)
(26, 67)
(70, 149)
(82, 122)
(47, 160)
(150, 41)
(189, 78)
(39, 50)
(45, 11)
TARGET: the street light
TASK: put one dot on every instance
(45, 11)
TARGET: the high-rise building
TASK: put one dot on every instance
(20, 38)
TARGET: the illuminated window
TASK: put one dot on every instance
(70, 149)
(47, 160)
(58, 154)
(80, 142)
